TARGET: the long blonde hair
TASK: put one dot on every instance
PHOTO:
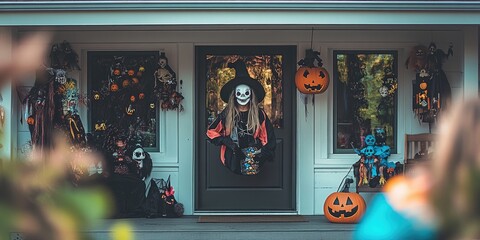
(456, 174)
(232, 114)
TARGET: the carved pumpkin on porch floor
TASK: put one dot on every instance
(311, 79)
(344, 207)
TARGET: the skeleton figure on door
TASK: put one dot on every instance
(242, 129)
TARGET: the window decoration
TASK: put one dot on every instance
(431, 89)
(267, 69)
(122, 95)
(365, 96)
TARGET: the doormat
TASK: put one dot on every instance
(251, 219)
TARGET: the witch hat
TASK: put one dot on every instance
(241, 77)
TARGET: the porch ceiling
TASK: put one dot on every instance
(227, 13)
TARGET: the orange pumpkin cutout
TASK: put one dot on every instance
(116, 72)
(132, 98)
(344, 207)
(114, 87)
(30, 120)
(312, 80)
(131, 72)
(141, 96)
(125, 83)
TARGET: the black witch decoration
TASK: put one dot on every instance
(431, 89)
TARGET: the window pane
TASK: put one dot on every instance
(267, 69)
(122, 84)
(365, 97)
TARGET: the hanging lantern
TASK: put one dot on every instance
(117, 72)
(311, 79)
(131, 72)
(125, 83)
(132, 98)
(141, 96)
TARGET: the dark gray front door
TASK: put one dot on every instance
(273, 189)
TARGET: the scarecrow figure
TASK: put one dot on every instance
(242, 129)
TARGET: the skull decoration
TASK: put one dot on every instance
(370, 140)
(139, 155)
(60, 76)
(242, 94)
(383, 91)
(368, 151)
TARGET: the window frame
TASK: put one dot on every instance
(340, 151)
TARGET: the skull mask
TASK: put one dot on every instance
(243, 94)
(139, 155)
(383, 91)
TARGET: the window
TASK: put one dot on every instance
(122, 84)
(364, 97)
(266, 68)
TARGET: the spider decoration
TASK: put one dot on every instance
(431, 89)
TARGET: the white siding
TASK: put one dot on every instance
(319, 170)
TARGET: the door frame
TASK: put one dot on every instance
(287, 84)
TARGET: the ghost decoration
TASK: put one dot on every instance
(143, 160)
(243, 94)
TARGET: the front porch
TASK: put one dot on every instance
(187, 227)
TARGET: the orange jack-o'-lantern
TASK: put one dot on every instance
(131, 72)
(344, 207)
(312, 80)
(117, 72)
(125, 83)
(114, 87)
(423, 85)
(30, 120)
(132, 98)
(135, 80)
(141, 96)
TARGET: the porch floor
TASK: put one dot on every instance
(187, 227)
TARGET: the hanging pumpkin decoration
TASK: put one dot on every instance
(125, 83)
(311, 79)
(344, 207)
(141, 96)
(114, 87)
(131, 72)
(135, 80)
(30, 120)
(132, 98)
(117, 72)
